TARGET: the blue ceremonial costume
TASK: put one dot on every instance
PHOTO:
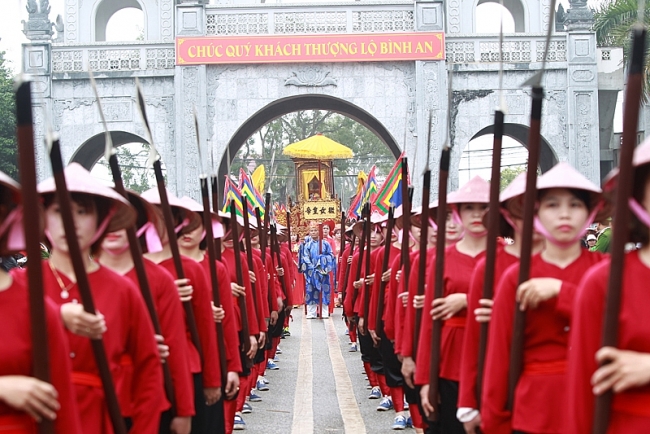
(316, 268)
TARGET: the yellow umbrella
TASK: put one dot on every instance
(318, 147)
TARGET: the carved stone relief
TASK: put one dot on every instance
(311, 76)
(583, 128)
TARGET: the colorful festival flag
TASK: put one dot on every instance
(246, 188)
(366, 194)
(231, 192)
(391, 190)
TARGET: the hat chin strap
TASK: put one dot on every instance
(508, 218)
(151, 237)
(183, 224)
(456, 218)
(639, 211)
(102, 227)
(539, 227)
(12, 227)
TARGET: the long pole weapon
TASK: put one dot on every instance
(31, 220)
(342, 246)
(439, 288)
(249, 248)
(346, 277)
(384, 267)
(262, 237)
(212, 257)
(65, 205)
(134, 246)
(620, 231)
(214, 182)
(366, 292)
(275, 248)
(493, 220)
(362, 248)
(154, 157)
(245, 331)
(424, 236)
(320, 252)
(530, 196)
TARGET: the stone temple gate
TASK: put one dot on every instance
(392, 98)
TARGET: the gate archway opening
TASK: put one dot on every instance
(300, 103)
(132, 153)
(476, 158)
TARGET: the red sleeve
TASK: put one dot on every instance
(272, 283)
(230, 324)
(343, 265)
(426, 330)
(391, 299)
(67, 418)
(406, 348)
(566, 298)
(172, 325)
(585, 341)
(469, 359)
(147, 385)
(496, 418)
(261, 286)
(287, 263)
(376, 265)
(253, 326)
(202, 305)
(348, 305)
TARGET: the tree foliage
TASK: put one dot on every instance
(613, 21)
(508, 174)
(132, 158)
(8, 142)
(273, 137)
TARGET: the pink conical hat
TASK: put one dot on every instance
(153, 197)
(79, 180)
(641, 157)
(477, 190)
(416, 218)
(564, 175)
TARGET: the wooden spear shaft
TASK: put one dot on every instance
(214, 279)
(320, 252)
(384, 267)
(346, 277)
(362, 249)
(491, 249)
(143, 280)
(176, 255)
(275, 248)
(366, 292)
(31, 220)
(620, 231)
(249, 249)
(263, 240)
(530, 197)
(422, 261)
(241, 300)
(214, 181)
(436, 333)
(65, 206)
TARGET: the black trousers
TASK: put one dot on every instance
(392, 365)
(449, 424)
(370, 354)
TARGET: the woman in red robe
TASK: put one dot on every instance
(627, 372)
(568, 203)
(24, 399)
(121, 319)
(479, 309)
(470, 204)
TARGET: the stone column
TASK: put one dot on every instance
(582, 91)
(36, 62)
(430, 96)
(191, 91)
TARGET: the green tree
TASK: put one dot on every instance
(133, 158)
(8, 142)
(613, 21)
(508, 175)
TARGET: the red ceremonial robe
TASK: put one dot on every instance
(406, 342)
(170, 314)
(201, 304)
(262, 295)
(16, 357)
(229, 321)
(392, 290)
(374, 295)
(228, 258)
(469, 359)
(630, 411)
(129, 331)
(546, 335)
(457, 274)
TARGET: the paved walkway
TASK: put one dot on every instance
(320, 386)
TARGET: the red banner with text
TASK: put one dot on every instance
(312, 48)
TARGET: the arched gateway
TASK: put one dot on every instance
(382, 63)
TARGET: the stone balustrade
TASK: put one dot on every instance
(517, 48)
(113, 57)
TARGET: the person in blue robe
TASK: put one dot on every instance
(316, 261)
